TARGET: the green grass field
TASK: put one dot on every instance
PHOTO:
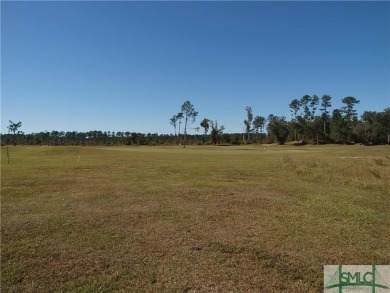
(200, 219)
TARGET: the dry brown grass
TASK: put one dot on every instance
(195, 220)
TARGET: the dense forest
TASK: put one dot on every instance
(311, 121)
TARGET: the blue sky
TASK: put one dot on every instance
(128, 66)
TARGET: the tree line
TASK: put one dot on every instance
(311, 121)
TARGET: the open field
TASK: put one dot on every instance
(200, 219)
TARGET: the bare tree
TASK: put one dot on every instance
(216, 132)
(190, 114)
(13, 127)
(206, 125)
(179, 116)
(173, 122)
(248, 121)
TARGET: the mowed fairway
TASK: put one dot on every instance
(200, 219)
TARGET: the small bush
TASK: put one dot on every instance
(375, 174)
(288, 161)
(378, 162)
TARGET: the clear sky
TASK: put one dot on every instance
(129, 66)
